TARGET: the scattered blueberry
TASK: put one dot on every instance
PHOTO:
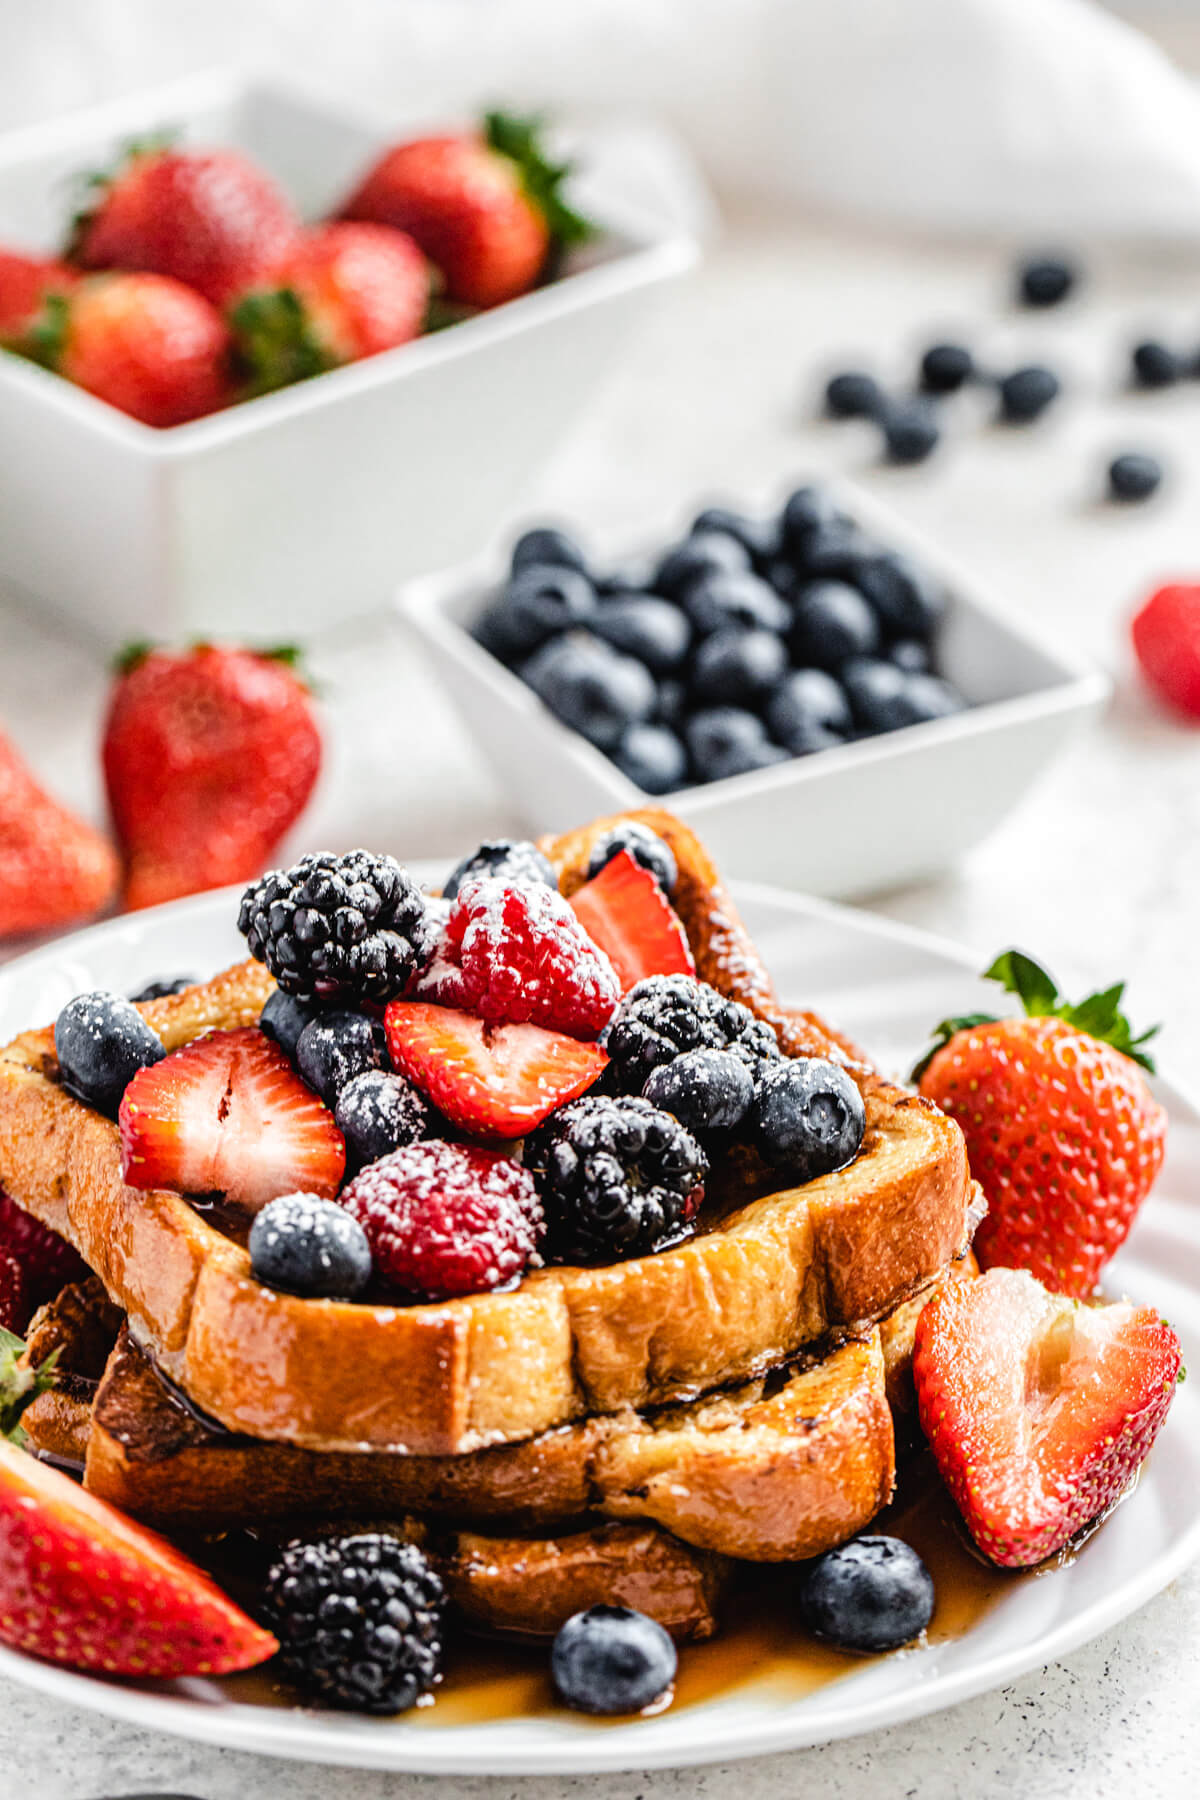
(652, 757)
(853, 395)
(758, 537)
(539, 602)
(1045, 280)
(703, 554)
(611, 1659)
(645, 847)
(283, 1018)
(807, 706)
(162, 990)
(911, 655)
(335, 1047)
(909, 603)
(727, 740)
(378, 1112)
(872, 1594)
(1134, 476)
(910, 430)
(738, 668)
(547, 546)
(515, 859)
(707, 1090)
(101, 1041)
(654, 630)
(945, 368)
(1155, 365)
(806, 511)
(808, 1117)
(831, 621)
(591, 687)
(300, 1244)
(743, 600)
(1026, 393)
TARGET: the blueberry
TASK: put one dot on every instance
(540, 602)
(628, 578)
(645, 847)
(911, 655)
(718, 601)
(1026, 393)
(547, 546)
(590, 687)
(652, 757)
(805, 511)
(1045, 280)
(1133, 476)
(162, 990)
(300, 1244)
(705, 553)
(831, 621)
(758, 537)
(101, 1041)
(780, 573)
(654, 630)
(885, 698)
(929, 697)
(515, 860)
(378, 1112)
(283, 1018)
(853, 395)
(945, 368)
(908, 601)
(808, 1117)
(807, 711)
(335, 1047)
(1155, 365)
(726, 740)
(707, 1090)
(910, 430)
(611, 1659)
(490, 633)
(871, 1594)
(835, 548)
(738, 667)
(671, 706)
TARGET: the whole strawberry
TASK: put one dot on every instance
(1063, 1133)
(210, 754)
(54, 868)
(342, 292)
(25, 282)
(209, 218)
(1166, 640)
(485, 207)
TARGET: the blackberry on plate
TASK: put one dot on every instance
(378, 1112)
(645, 847)
(336, 927)
(665, 1015)
(808, 1117)
(652, 757)
(514, 860)
(739, 667)
(872, 1594)
(853, 395)
(546, 546)
(101, 1041)
(727, 740)
(831, 621)
(302, 1244)
(611, 1659)
(946, 367)
(335, 1047)
(283, 1019)
(716, 602)
(707, 1090)
(617, 1176)
(704, 553)
(591, 687)
(359, 1620)
(162, 990)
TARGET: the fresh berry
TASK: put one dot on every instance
(945, 368)
(808, 1117)
(359, 1621)
(738, 667)
(1026, 393)
(516, 956)
(210, 218)
(1155, 365)
(334, 1047)
(301, 1244)
(101, 1042)
(545, 545)
(909, 603)
(336, 927)
(645, 626)
(808, 710)
(739, 601)
(624, 910)
(853, 395)
(283, 1019)
(163, 990)
(491, 1080)
(340, 293)
(379, 1112)
(835, 549)
(1134, 476)
(85, 1586)
(1063, 1134)
(707, 1090)
(806, 511)
(831, 622)
(54, 868)
(727, 740)
(665, 1016)
(758, 537)
(704, 554)
(1166, 640)
(227, 1115)
(911, 655)
(910, 430)
(872, 1594)
(47, 1261)
(645, 847)
(1039, 1410)
(25, 281)
(447, 1219)
(539, 603)
(15, 1306)
(486, 209)
(1045, 280)
(652, 757)
(210, 754)
(611, 1659)
(514, 861)
(884, 697)
(671, 709)
(590, 687)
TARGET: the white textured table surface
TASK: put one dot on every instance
(1097, 872)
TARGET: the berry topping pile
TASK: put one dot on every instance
(335, 926)
(665, 1015)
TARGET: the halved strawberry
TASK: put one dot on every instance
(624, 910)
(1038, 1408)
(82, 1585)
(228, 1115)
(494, 1080)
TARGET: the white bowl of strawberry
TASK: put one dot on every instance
(158, 393)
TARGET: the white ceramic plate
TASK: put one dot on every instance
(885, 985)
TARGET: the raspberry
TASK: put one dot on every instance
(47, 1262)
(517, 956)
(1166, 637)
(446, 1219)
(14, 1298)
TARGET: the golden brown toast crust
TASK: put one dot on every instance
(768, 1278)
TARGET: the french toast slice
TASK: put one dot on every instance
(769, 1272)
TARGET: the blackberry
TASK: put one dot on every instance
(665, 1015)
(645, 847)
(162, 990)
(617, 1176)
(514, 860)
(359, 1620)
(336, 927)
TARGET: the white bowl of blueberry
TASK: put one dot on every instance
(821, 692)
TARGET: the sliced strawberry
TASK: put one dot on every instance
(494, 1080)
(228, 1115)
(624, 910)
(1038, 1408)
(47, 1261)
(84, 1586)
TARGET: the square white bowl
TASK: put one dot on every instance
(291, 512)
(844, 822)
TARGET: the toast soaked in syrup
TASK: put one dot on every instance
(776, 1271)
